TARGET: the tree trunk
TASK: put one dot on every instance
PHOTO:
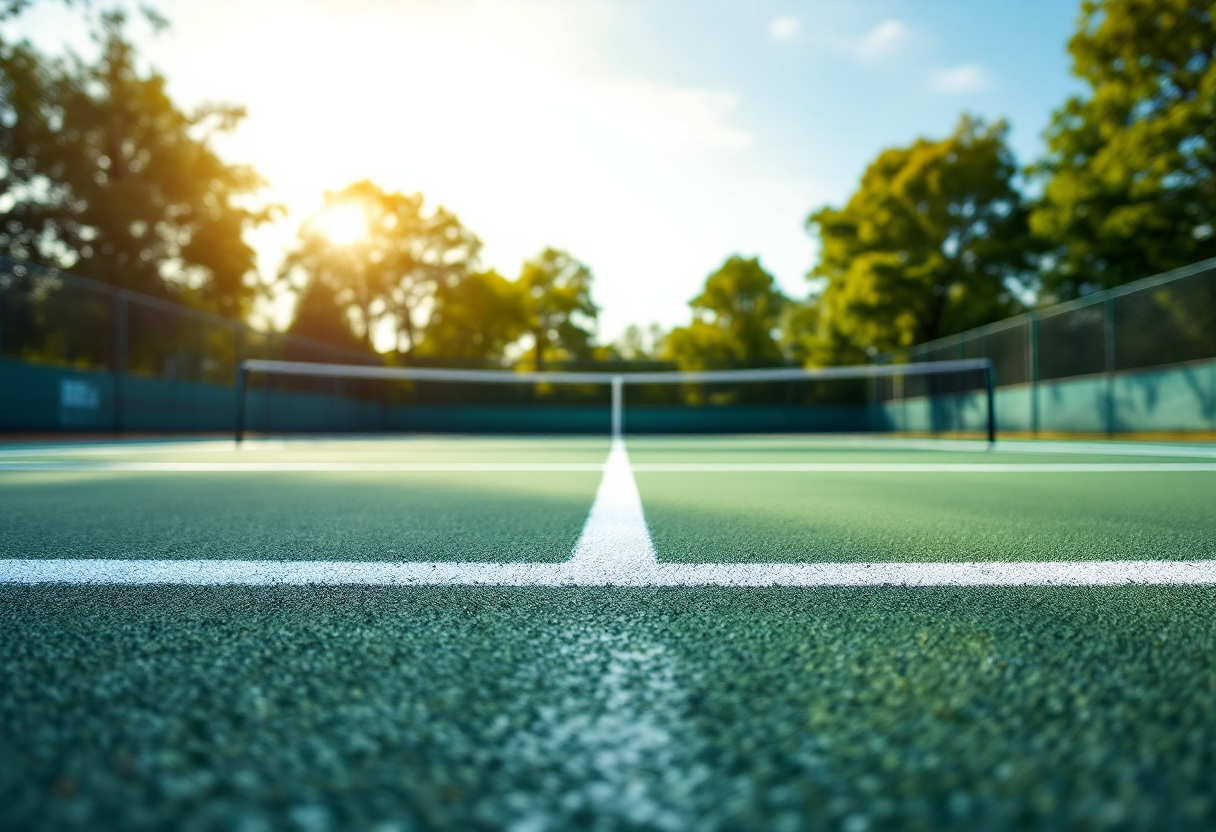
(406, 318)
(366, 313)
(939, 313)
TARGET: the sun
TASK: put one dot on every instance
(344, 224)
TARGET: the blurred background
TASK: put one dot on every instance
(622, 185)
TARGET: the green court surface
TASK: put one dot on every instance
(793, 449)
(541, 708)
(354, 450)
(748, 517)
(470, 516)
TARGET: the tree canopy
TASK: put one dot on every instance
(393, 266)
(476, 318)
(733, 319)
(928, 246)
(105, 175)
(1128, 181)
(558, 306)
(320, 316)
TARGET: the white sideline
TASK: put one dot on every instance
(922, 467)
(645, 467)
(614, 549)
(255, 467)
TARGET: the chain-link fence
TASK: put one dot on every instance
(1115, 344)
(115, 343)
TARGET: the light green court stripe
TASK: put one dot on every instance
(581, 572)
(644, 467)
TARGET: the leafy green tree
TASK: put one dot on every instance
(102, 173)
(391, 267)
(734, 318)
(1129, 179)
(560, 313)
(700, 345)
(475, 317)
(928, 246)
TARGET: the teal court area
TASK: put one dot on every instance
(545, 634)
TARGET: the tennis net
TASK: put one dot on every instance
(950, 397)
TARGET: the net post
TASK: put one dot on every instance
(241, 373)
(618, 384)
(990, 390)
(122, 337)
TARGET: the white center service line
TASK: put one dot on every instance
(614, 549)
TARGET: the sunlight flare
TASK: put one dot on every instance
(344, 224)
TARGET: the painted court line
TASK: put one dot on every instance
(615, 542)
(270, 466)
(614, 549)
(922, 467)
(645, 467)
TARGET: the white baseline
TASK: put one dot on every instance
(644, 467)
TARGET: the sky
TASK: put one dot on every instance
(649, 138)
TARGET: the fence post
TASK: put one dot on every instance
(990, 391)
(1108, 330)
(1032, 347)
(120, 357)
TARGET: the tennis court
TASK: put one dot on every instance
(719, 632)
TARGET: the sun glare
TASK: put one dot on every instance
(343, 224)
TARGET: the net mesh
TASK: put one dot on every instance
(294, 397)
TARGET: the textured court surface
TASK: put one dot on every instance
(607, 707)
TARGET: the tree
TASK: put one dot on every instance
(560, 313)
(321, 317)
(929, 245)
(103, 174)
(383, 255)
(475, 318)
(639, 343)
(733, 319)
(10, 9)
(800, 330)
(1129, 178)
(699, 346)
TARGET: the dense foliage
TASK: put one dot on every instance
(103, 174)
(735, 317)
(928, 246)
(1128, 182)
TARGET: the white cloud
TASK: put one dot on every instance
(785, 28)
(963, 78)
(881, 41)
